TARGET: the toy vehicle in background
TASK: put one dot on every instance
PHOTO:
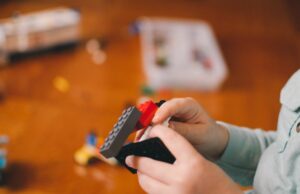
(88, 153)
(33, 33)
(3, 161)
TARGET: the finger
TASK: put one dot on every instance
(150, 167)
(139, 134)
(150, 185)
(142, 134)
(186, 109)
(182, 128)
(177, 144)
(192, 132)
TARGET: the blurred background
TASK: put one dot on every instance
(53, 95)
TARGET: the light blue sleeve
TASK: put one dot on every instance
(242, 154)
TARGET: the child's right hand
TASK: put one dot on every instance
(190, 173)
(191, 121)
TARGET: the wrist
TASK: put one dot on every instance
(222, 138)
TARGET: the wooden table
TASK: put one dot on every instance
(260, 41)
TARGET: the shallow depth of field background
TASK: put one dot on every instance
(260, 42)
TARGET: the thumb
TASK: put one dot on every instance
(183, 108)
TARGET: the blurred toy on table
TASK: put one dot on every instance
(61, 84)
(3, 153)
(180, 54)
(95, 47)
(29, 34)
(88, 153)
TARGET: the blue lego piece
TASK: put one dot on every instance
(91, 139)
(2, 162)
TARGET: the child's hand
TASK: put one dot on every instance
(191, 173)
(191, 121)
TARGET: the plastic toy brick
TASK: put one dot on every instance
(153, 148)
(88, 153)
(91, 139)
(148, 110)
(131, 119)
(160, 103)
(122, 129)
(2, 159)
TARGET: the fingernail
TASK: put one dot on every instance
(129, 161)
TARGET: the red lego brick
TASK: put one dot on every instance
(148, 110)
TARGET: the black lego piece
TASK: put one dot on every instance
(160, 103)
(152, 148)
(120, 132)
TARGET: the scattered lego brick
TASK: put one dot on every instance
(92, 45)
(61, 84)
(161, 61)
(3, 161)
(91, 139)
(95, 47)
(99, 57)
(147, 91)
(88, 153)
(3, 153)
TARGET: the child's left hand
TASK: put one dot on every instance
(191, 173)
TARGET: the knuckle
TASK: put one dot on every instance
(190, 99)
(178, 101)
(193, 102)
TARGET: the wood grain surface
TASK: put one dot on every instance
(260, 41)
